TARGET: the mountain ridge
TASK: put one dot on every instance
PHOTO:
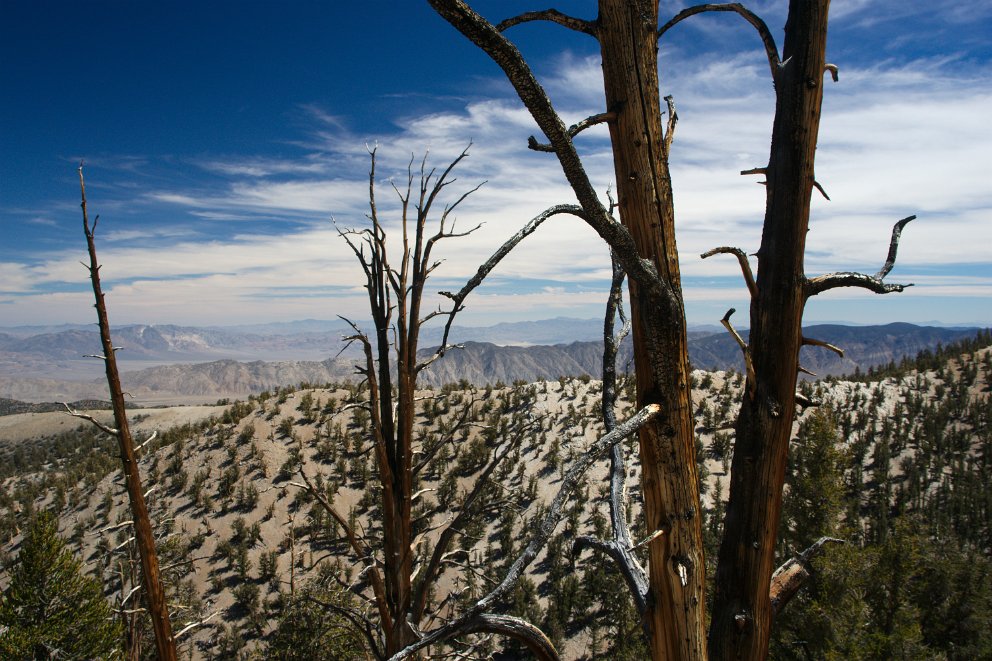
(213, 377)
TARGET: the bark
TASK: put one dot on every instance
(675, 611)
(154, 594)
(742, 610)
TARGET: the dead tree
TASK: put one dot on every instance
(743, 610)
(154, 594)
(644, 244)
(400, 571)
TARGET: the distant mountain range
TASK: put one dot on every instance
(176, 361)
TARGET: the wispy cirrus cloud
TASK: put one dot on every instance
(897, 138)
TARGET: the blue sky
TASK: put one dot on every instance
(220, 139)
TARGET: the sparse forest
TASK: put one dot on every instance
(893, 465)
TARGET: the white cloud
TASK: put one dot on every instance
(263, 167)
(895, 140)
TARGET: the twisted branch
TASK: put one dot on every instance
(743, 345)
(553, 16)
(573, 130)
(873, 283)
(620, 548)
(752, 287)
(771, 50)
(673, 118)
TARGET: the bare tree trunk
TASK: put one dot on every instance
(154, 594)
(675, 608)
(742, 612)
(627, 31)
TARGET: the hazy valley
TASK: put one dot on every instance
(173, 364)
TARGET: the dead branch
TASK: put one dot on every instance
(552, 15)
(817, 186)
(752, 287)
(791, 576)
(573, 130)
(673, 118)
(619, 548)
(192, 625)
(184, 561)
(809, 341)
(626, 562)
(147, 441)
(482, 33)
(114, 526)
(541, 534)
(611, 345)
(525, 632)
(890, 259)
(743, 345)
(96, 423)
(771, 50)
(486, 267)
(874, 283)
(805, 402)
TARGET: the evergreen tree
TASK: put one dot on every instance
(52, 610)
(812, 505)
(310, 626)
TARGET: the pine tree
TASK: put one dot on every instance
(311, 627)
(51, 609)
(814, 501)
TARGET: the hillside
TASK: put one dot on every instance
(888, 465)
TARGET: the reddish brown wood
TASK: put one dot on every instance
(154, 594)
(742, 611)
(675, 612)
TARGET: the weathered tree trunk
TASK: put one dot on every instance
(154, 594)
(675, 611)
(392, 429)
(742, 612)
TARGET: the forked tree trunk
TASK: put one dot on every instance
(742, 612)
(675, 612)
